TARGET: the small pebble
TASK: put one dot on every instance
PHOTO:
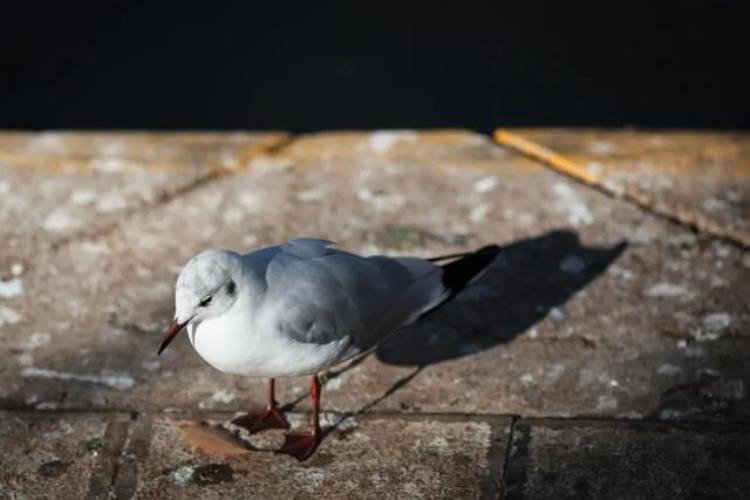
(479, 213)
(668, 370)
(83, 197)
(713, 326)
(486, 184)
(666, 290)
(557, 314)
(8, 316)
(709, 372)
(606, 402)
(59, 221)
(183, 475)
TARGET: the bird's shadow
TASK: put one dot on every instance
(527, 280)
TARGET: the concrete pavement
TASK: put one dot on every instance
(603, 339)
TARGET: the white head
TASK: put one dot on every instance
(207, 287)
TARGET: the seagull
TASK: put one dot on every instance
(303, 306)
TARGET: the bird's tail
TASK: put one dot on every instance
(466, 268)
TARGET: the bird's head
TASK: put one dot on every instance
(206, 288)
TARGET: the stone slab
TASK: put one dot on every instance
(627, 460)
(568, 322)
(376, 457)
(706, 173)
(52, 455)
(61, 150)
(56, 186)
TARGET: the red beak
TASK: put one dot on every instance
(170, 334)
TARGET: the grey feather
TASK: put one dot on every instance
(307, 247)
(325, 295)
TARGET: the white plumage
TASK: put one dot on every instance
(300, 307)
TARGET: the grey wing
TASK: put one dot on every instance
(319, 294)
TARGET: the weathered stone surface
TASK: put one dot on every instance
(704, 173)
(378, 457)
(567, 323)
(54, 186)
(49, 456)
(56, 151)
(594, 459)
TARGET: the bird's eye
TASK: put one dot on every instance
(230, 287)
(205, 302)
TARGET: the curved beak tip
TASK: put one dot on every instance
(170, 334)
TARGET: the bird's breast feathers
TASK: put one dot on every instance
(256, 348)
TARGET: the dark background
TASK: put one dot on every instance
(310, 66)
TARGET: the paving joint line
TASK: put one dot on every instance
(593, 420)
(134, 452)
(215, 172)
(107, 466)
(507, 458)
(501, 432)
(516, 465)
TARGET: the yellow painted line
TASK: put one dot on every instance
(569, 168)
(546, 156)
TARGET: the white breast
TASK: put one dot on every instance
(236, 343)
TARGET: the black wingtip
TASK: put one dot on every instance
(461, 272)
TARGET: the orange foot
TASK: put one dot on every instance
(300, 445)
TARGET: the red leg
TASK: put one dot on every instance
(301, 445)
(269, 418)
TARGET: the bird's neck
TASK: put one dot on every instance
(253, 285)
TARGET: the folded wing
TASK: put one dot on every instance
(319, 294)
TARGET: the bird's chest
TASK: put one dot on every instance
(259, 349)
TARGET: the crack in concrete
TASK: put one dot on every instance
(515, 473)
(135, 451)
(214, 172)
(503, 473)
(501, 432)
(105, 470)
(593, 420)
